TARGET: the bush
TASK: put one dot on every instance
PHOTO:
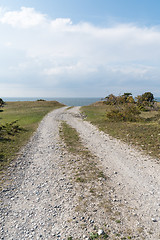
(111, 99)
(122, 99)
(10, 128)
(129, 113)
(41, 100)
(1, 102)
(145, 100)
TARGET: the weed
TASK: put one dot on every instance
(79, 179)
(92, 190)
(101, 175)
(105, 236)
(93, 236)
(69, 108)
(118, 221)
(69, 238)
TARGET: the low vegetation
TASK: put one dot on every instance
(136, 121)
(18, 121)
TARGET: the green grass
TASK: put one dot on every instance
(69, 108)
(71, 138)
(28, 114)
(144, 134)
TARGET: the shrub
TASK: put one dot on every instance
(111, 99)
(41, 100)
(10, 128)
(148, 97)
(129, 112)
(122, 99)
(1, 102)
(145, 100)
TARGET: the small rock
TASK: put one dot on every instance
(100, 232)
(154, 220)
(85, 237)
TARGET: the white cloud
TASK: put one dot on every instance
(25, 18)
(8, 44)
(57, 52)
(60, 23)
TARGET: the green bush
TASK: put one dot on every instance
(10, 128)
(111, 99)
(41, 100)
(1, 102)
(145, 101)
(122, 99)
(127, 112)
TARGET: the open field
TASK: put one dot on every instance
(28, 115)
(145, 133)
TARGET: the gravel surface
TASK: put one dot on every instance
(41, 200)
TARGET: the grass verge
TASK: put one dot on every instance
(144, 134)
(28, 115)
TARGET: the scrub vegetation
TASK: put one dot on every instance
(18, 121)
(136, 121)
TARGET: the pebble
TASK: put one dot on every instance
(154, 220)
(100, 232)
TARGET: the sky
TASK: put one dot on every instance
(79, 48)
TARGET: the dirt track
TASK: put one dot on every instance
(40, 200)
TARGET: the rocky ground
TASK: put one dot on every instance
(41, 199)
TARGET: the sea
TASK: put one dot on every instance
(157, 99)
(67, 101)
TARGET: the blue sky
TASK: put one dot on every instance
(69, 48)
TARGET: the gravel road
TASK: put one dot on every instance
(39, 198)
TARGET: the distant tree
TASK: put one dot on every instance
(148, 97)
(130, 99)
(122, 99)
(111, 99)
(127, 94)
(1, 102)
(144, 100)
